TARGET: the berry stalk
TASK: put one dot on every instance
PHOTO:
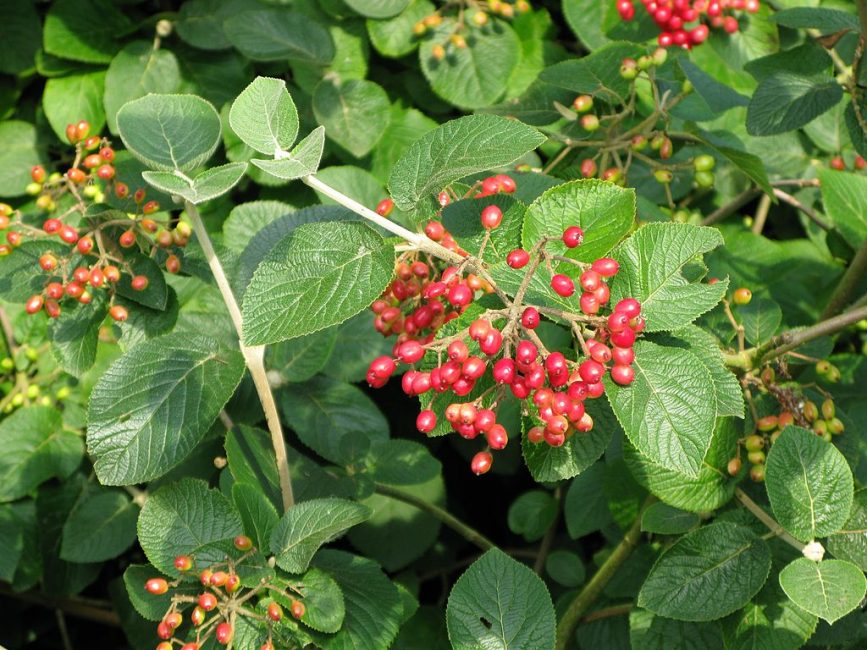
(254, 356)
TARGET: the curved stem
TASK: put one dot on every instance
(766, 519)
(467, 532)
(791, 340)
(254, 357)
(588, 595)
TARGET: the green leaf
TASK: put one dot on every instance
(500, 603)
(404, 128)
(585, 507)
(850, 543)
(398, 533)
(394, 37)
(474, 76)
(11, 540)
(770, 622)
(200, 22)
(665, 412)
(649, 631)
(21, 35)
(663, 519)
(604, 211)
(402, 462)
(308, 525)
(156, 294)
(751, 165)
(531, 514)
(20, 151)
(717, 96)
(708, 491)
(652, 261)
(84, 30)
(829, 589)
(326, 608)
(152, 607)
(75, 335)
(844, 196)
(187, 518)
(168, 132)
(566, 568)
(257, 512)
(760, 318)
(35, 449)
(302, 161)
(692, 579)
(246, 219)
(786, 101)
(155, 404)
(138, 69)
(809, 484)
(251, 461)
(264, 116)
(341, 107)
(279, 34)
(596, 74)
(324, 410)
(827, 21)
(100, 527)
(378, 8)
(459, 148)
(373, 603)
(317, 277)
(66, 100)
(207, 186)
(728, 393)
(463, 220)
(357, 343)
(299, 359)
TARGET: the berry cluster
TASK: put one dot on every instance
(215, 610)
(838, 163)
(502, 346)
(95, 258)
(685, 23)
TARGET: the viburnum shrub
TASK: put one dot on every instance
(402, 324)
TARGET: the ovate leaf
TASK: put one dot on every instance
(603, 210)
(100, 527)
(66, 100)
(651, 271)
(303, 160)
(665, 411)
(208, 185)
(786, 101)
(809, 484)
(467, 145)
(342, 108)
(707, 573)
(317, 277)
(264, 116)
(844, 196)
(770, 622)
(850, 543)
(84, 30)
(279, 34)
(308, 525)
(829, 589)
(187, 518)
(20, 151)
(663, 519)
(169, 132)
(378, 8)
(21, 34)
(155, 404)
(75, 335)
(499, 603)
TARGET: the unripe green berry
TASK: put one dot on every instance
(705, 179)
(663, 176)
(754, 443)
(756, 457)
(742, 296)
(644, 62)
(828, 410)
(704, 163)
(660, 55)
(836, 426)
(590, 123)
(757, 473)
(811, 411)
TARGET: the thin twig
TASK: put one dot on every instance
(848, 284)
(64, 633)
(731, 207)
(761, 215)
(548, 539)
(766, 519)
(607, 612)
(811, 214)
(254, 357)
(467, 532)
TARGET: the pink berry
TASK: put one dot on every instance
(562, 285)
(623, 375)
(606, 267)
(530, 318)
(573, 236)
(492, 216)
(481, 463)
(518, 258)
(426, 421)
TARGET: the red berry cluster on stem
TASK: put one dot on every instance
(685, 23)
(503, 345)
(213, 612)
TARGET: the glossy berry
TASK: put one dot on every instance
(34, 304)
(583, 103)
(223, 633)
(157, 586)
(426, 421)
(243, 543)
(518, 258)
(562, 285)
(164, 630)
(118, 313)
(492, 216)
(275, 612)
(173, 620)
(591, 371)
(588, 168)
(69, 234)
(139, 282)
(573, 236)
(207, 601)
(606, 267)
(623, 375)
(742, 296)
(481, 463)
(628, 306)
(385, 207)
(298, 609)
(530, 318)
(734, 466)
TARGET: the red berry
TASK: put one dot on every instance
(81, 275)
(97, 278)
(207, 601)
(591, 371)
(173, 620)
(85, 245)
(118, 313)
(526, 352)
(588, 168)
(69, 234)
(385, 207)
(504, 371)
(243, 543)
(105, 172)
(492, 216)
(530, 318)
(573, 236)
(121, 190)
(223, 633)
(92, 161)
(623, 356)
(190, 646)
(52, 308)
(426, 421)
(458, 351)
(157, 586)
(562, 285)
(54, 290)
(298, 609)
(491, 344)
(183, 563)
(629, 306)
(618, 321)
(460, 295)
(197, 616)
(139, 282)
(48, 262)
(127, 239)
(173, 264)
(481, 463)
(518, 258)
(410, 352)
(164, 630)
(107, 154)
(34, 304)
(622, 375)
(150, 207)
(497, 437)
(52, 226)
(275, 612)
(606, 267)
(219, 578)
(434, 230)
(624, 338)
(37, 173)
(76, 175)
